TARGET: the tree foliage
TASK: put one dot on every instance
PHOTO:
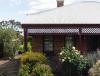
(10, 43)
(9, 36)
(10, 24)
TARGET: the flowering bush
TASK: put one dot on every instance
(72, 60)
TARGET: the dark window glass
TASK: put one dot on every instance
(69, 41)
(48, 43)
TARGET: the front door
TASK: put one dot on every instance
(48, 45)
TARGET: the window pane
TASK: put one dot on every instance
(68, 41)
(48, 43)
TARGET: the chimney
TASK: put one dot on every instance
(60, 3)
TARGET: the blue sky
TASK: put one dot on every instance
(9, 9)
(17, 9)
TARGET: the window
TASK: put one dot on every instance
(48, 43)
(69, 41)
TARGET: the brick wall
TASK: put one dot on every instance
(81, 46)
(37, 42)
(58, 43)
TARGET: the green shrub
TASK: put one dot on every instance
(92, 57)
(72, 61)
(24, 70)
(20, 48)
(42, 70)
(29, 46)
(95, 70)
(8, 38)
(32, 58)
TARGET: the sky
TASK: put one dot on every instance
(18, 9)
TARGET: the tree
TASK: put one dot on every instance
(10, 43)
(10, 24)
(9, 36)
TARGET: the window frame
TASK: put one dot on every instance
(52, 43)
(73, 42)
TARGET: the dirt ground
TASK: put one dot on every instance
(9, 67)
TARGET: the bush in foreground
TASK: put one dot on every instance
(42, 70)
(24, 70)
(33, 58)
(31, 62)
(95, 70)
(72, 62)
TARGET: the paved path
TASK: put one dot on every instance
(9, 67)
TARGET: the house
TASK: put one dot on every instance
(71, 25)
